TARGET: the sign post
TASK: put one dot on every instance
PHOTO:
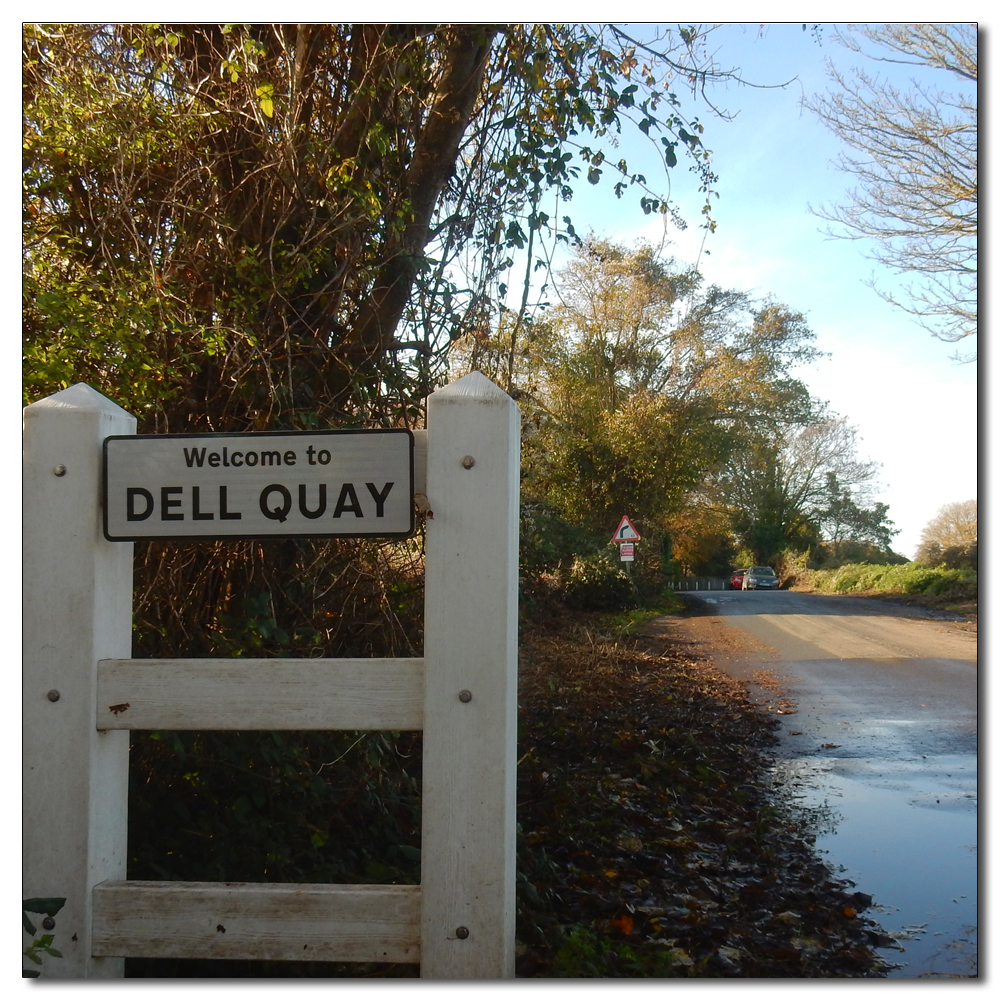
(626, 536)
(469, 803)
(77, 609)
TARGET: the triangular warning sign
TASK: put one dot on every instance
(626, 532)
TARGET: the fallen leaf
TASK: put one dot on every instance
(808, 946)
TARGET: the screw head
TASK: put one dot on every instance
(462, 933)
(53, 695)
(465, 696)
(468, 462)
(59, 470)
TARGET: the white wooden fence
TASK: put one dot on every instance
(698, 583)
(459, 922)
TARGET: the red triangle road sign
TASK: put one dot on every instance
(625, 532)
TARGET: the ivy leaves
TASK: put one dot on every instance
(42, 945)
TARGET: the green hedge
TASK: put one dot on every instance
(909, 578)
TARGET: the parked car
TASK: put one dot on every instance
(760, 578)
(736, 580)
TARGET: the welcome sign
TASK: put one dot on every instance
(311, 484)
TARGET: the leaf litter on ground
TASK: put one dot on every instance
(651, 839)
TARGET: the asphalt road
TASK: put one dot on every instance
(865, 675)
(878, 712)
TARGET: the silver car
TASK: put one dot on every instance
(760, 578)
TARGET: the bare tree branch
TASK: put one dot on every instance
(915, 156)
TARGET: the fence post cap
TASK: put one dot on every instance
(475, 385)
(80, 397)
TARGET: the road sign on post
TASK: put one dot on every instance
(627, 551)
(625, 532)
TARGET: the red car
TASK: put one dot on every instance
(736, 580)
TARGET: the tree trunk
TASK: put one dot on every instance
(432, 164)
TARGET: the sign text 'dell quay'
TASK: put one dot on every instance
(278, 484)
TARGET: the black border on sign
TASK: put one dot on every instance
(263, 538)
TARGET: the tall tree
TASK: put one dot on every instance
(234, 226)
(778, 486)
(843, 519)
(914, 154)
(951, 536)
(639, 383)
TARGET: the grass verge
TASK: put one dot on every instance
(938, 588)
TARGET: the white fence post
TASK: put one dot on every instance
(470, 709)
(77, 609)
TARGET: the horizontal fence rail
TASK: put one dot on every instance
(250, 920)
(242, 694)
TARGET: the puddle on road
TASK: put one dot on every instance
(906, 833)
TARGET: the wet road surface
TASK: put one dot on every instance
(878, 711)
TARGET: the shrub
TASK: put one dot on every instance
(597, 582)
(548, 542)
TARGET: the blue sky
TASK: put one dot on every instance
(915, 408)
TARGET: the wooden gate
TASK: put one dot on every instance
(78, 675)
